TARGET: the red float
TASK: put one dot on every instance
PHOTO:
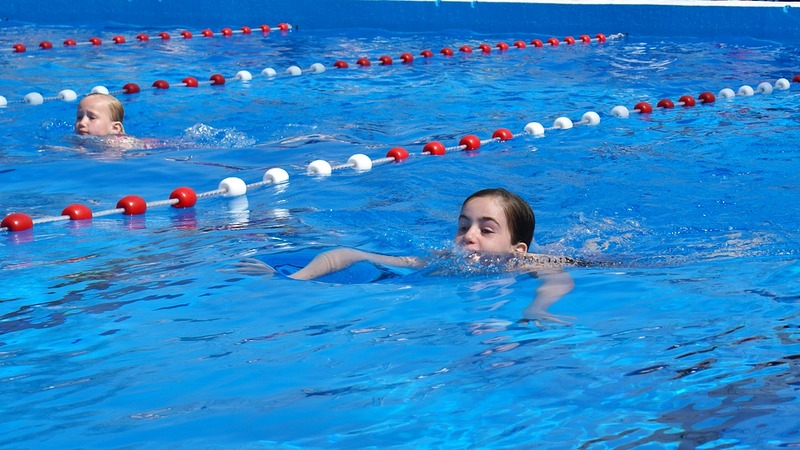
(426, 53)
(398, 153)
(665, 103)
(186, 197)
(132, 205)
(434, 148)
(19, 48)
(407, 57)
(45, 45)
(17, 222)
(283, 26)
(190, 82)
(485, 48)
(341, 65)
(160, 84)
(519, 44)
(95, 41)
(687, 100)
(644, 107)
(502, 134)
(537, 43)
(118, 39)
(465, 49)
(585, 38)
(502, 46)
(70, 42)
(207, 33)
(569, 40)
(796, 79)
(142, 37)
(364, 62)
(217, 79)
(186, 34)
(600, 37)
(707, 97)
(470, 142)
(164, 35)
(77, 211)
(552, 41)
(131, 88)
(385, 60)
(447, 51)
(226, 31)
(265, 28)
(246, 30)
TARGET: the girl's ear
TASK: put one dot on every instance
(521, 247)
(117, 127)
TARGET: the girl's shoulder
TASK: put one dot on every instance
(545, 261)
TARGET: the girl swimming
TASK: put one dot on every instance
(495, 229)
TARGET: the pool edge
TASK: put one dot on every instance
(706, 19)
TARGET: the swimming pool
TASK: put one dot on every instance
(127, 332)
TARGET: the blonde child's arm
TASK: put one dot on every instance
(341, 258)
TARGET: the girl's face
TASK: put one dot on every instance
(94, 118)
(482, 227)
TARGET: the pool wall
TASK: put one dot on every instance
(778, 21)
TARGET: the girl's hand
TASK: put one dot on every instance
(252, 266)
(539, 315)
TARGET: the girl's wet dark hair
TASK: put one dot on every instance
(519, 214)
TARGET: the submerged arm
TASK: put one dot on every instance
(555, 283)
(341, 258)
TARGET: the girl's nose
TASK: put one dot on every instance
(469, 236)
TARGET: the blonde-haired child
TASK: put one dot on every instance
(100, 115)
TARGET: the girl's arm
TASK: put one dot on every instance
(341, 258)
(555, 283)
(329, 262)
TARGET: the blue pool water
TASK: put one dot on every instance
(131, 332)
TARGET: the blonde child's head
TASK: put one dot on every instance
(100, 115)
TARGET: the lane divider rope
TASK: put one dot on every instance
(118, 39)
(186, 197)
(69, 95)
